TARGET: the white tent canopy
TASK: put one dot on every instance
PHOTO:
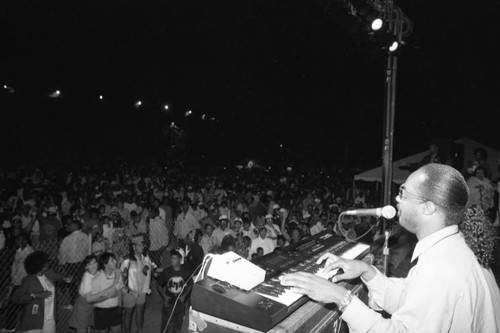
(399, 176)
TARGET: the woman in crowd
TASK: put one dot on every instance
(107, 312)
(136, 270)
(83, 310)
(37, 294)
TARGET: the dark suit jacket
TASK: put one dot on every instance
(33, 319)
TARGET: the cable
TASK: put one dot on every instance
(201, 266)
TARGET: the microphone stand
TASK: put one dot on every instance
(385, 253)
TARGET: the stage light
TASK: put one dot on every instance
(212, 119)
(166, 107)
(101, 97)
(5, 86)
(137, 104)
(203, 117)
(394, 46)
(376, 23)
(172, 125)
(188, 113)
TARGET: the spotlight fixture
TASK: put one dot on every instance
(374, 21)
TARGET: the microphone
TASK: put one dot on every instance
(387, 212)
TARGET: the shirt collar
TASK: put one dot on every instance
(425, 244)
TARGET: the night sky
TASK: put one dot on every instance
(283, 80)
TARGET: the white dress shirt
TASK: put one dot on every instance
(447, 291)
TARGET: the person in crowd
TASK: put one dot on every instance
(273, 231)
(464, 294)
(194, 251)
(49, 227)
(262, 241)
(137, 270)
(37, 294)
(72, 251)
(235, 230)
(82, 316)
(185, 221)
(173, 286)
(208, 240)
(107, 312)
(222, 230)
(18, 273)
(158, 236)
(481, 192)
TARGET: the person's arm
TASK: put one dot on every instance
(161, 291)
(30, 224)
(283, 231)
(25, 294)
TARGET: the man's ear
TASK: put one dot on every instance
(428, 208)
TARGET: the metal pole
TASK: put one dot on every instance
(387, 150)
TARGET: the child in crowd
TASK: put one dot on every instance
(174, 285)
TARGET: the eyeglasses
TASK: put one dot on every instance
(403, 194)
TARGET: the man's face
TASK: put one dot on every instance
(263, 233)
(223, 224)
(480, 174)
(185, 207)
(409, 199)
(237, 226)
(175, 260)
(209, 230)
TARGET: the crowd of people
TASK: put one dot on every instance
(105, 237)
(112, 233)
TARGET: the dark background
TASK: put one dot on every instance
(283, 80)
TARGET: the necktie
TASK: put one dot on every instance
(414, 262)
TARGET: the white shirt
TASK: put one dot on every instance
(219, 234)
(208, 242)
(266, 244)
(18, 271)
(158, 233)
(184, 224)
(102, 282)
(74, 248)
(137, 281)
(447, 291)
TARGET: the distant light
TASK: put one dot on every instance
(172, 125)
(166, 107)
(100, 97)
(394, 46)
(212, 119)
(188, 113)
(377, 24)
(55, 94)
(281, 145)
(137, 104)
(5, 86)
(203, 117)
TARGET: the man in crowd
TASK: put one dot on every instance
(222, 230)
(158, 236)
(185, 221)
(263, 242)
(208, 240)
(447, 290)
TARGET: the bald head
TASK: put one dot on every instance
(445, 187)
